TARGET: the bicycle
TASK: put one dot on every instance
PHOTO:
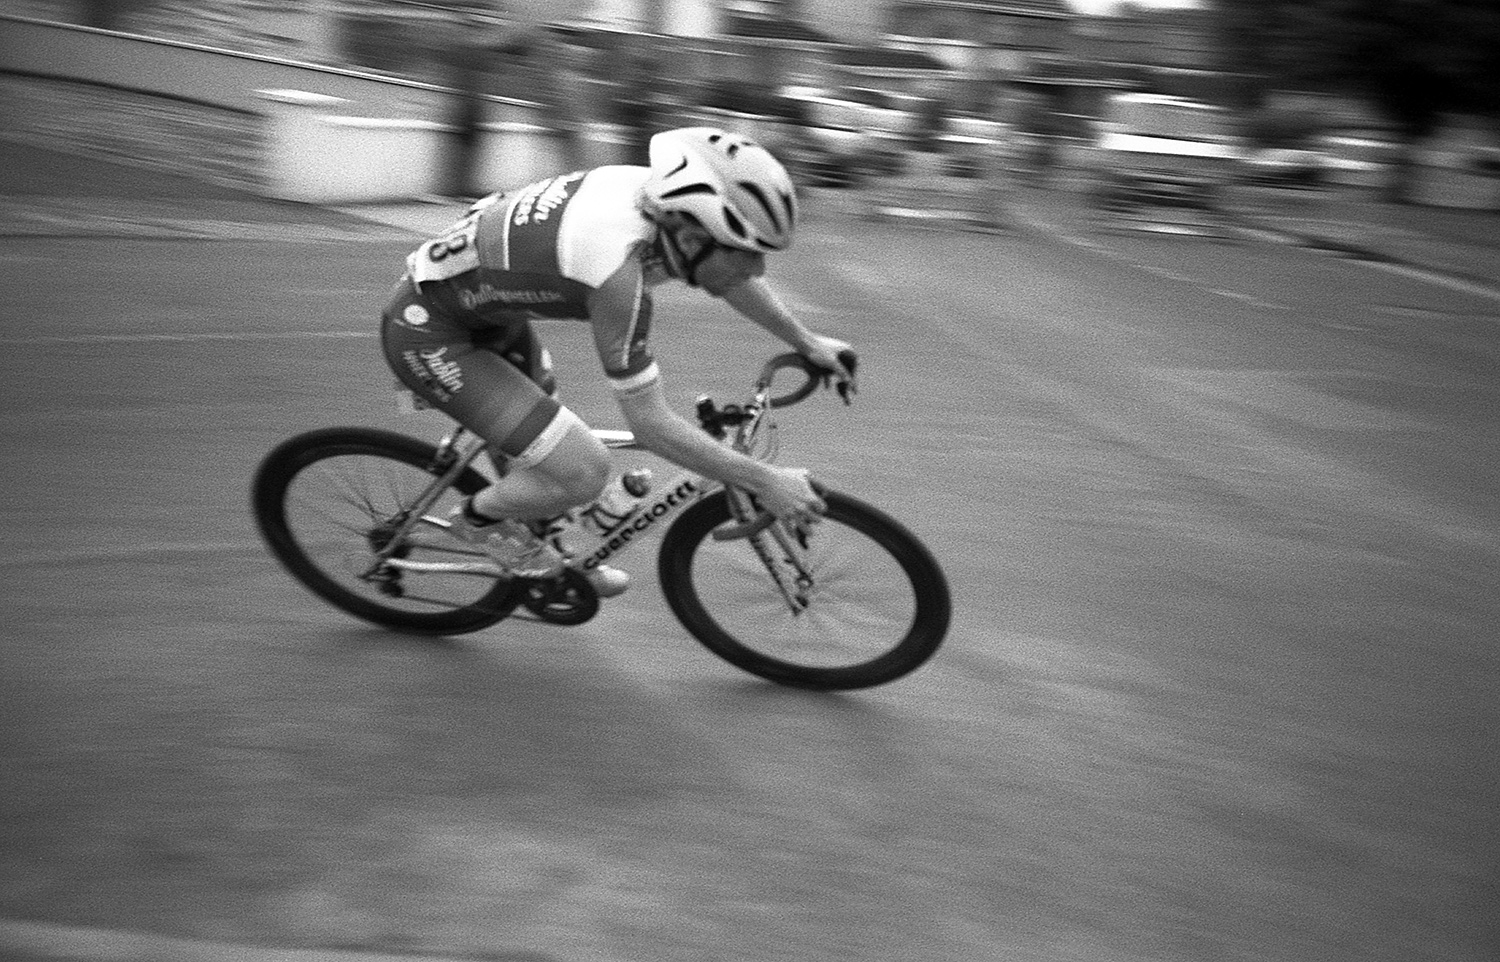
(358, 516)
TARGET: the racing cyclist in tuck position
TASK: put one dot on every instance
(591, 245)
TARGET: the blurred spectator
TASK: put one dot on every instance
(932, 123)
(466, 71)
(107, 14)
(486, 54)
(569, 95)
(637, 101)
(1037, 117)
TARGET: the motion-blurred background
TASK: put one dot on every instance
(1387, 95)
(1192, 393)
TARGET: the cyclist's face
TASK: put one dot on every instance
(729, 267)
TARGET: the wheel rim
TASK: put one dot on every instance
(343, 507)
(860, 605)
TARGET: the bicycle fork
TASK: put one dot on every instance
(760, 529)
(795, 591)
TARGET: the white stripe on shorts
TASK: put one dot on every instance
(624, 385)
(548, 440)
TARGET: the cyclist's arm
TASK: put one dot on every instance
(620, 312)
(664, 432)
(756, 300)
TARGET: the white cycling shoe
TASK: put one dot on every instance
(510, 544)
(608, 582)
(516, 548)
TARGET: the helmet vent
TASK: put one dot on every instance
(687, 190)
(776, 216)
(741, 195)
(735, 224)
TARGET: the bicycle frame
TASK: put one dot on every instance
(858, 600)
(609, 535)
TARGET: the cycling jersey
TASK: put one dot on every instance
(540, 253)
(457, 329)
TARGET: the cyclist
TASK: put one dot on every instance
(591, 245)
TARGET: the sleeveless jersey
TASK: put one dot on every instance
(539, 254)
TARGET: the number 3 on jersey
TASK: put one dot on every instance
(448, 255)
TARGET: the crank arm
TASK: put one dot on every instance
(485, 569)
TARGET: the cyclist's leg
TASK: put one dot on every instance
(521, 347)
(553, 461)
(562, 466)
(524, 349)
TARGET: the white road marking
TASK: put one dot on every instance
(1103, 250)
(143, 338)
(79, 943)
(1421, 274)
(94, 554)
(1405, 270)
(1250, 299)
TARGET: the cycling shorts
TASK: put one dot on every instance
(494, 380)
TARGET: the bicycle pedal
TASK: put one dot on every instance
(568, 599)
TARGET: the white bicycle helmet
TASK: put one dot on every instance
(729, 183)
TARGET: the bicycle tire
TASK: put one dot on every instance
(704, 581)
(308, 457)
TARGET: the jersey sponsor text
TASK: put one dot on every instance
(539, 202)
(487, 293)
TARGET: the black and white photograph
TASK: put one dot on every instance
(750, 480)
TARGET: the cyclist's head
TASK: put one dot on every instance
(728, 184)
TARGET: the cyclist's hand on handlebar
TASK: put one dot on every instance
(788, 494)
(838, 359)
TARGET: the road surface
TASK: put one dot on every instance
(1220, 519)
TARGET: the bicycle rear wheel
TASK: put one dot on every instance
(328, 500)
(862, 603)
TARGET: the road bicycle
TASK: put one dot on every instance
(358, 515)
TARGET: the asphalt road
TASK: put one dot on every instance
(1220, 519)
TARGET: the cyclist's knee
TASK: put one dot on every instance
(578, 466)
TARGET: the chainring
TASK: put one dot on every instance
(565, 600)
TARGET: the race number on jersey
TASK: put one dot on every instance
(448, 255)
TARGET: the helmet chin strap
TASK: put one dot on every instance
(679, 264)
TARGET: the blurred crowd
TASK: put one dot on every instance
(591, 85)
(600, 89)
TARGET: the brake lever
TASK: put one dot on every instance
(850, 360)
(731, 531)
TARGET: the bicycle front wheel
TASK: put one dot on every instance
(862, 602)
(329, 500)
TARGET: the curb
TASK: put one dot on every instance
(1245, 222)
(1357, 252)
